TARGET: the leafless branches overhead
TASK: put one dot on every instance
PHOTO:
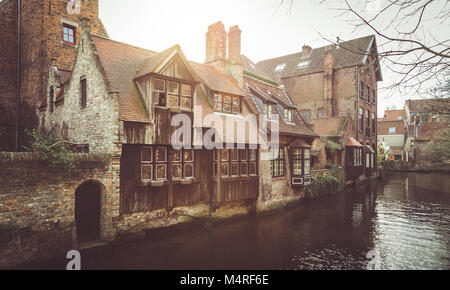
(413, 38)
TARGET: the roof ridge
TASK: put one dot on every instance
(314, 48)
(123, 43)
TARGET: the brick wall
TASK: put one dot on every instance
(41, 37)
(34, 197)
(8, 73)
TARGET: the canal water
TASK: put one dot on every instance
(384, 224)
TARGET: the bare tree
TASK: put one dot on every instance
(409, 42)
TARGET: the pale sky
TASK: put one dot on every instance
(266, 31)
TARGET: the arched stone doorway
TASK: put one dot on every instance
(87, 211)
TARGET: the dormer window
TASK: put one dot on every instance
(280, 67)
(227, 104)
(268, 110)
(288, 115)
(172, 94)
(303, 63)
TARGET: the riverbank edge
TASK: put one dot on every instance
(181, 219)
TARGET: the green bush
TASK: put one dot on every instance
(327, 183)
(51, 151)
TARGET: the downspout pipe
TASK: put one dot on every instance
(18, 72)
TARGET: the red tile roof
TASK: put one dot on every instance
(330, 126)
(120, 62)
(351, 142)
(216, 80)
(299, 127)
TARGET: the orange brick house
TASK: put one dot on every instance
(335, 89)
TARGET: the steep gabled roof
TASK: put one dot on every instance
(297, 128)
(216, 80)
(328, 127)
(157, 62)
(350, 53)
(120, 62)
(250, 67)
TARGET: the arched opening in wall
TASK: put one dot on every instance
(87, 211)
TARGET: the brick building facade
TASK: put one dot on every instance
(48, 31)
(333, 83)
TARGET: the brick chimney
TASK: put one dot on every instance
(234, 45)
(328, 63)
(306, 50)
(216, 43)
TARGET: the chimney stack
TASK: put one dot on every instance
(306, 51)
(216, 43)
(234, 45)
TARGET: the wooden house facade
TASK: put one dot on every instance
(181, 134)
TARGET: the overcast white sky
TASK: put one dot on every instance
(266, 31)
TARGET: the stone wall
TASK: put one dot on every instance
(98, 123)
(42, 201)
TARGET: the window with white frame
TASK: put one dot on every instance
(301, 161)
(277, 162)
(280, 67)
(288, 115)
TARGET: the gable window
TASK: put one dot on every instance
(83, 88)
(69, 35)
(277, 162)
(361, 119)
(159, 92)
(320, 113)
(374, 96)
(392, 130)
(172, 97)
(268, 110)
(288, 115)
(306, 114)
(227, 104)
(172, 94)
(236, 162)
(52, 97)
(280, 67)
(186, 97)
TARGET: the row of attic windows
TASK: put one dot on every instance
(268, 107)
(302, 64)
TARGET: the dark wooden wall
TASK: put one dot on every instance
(136, 196)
